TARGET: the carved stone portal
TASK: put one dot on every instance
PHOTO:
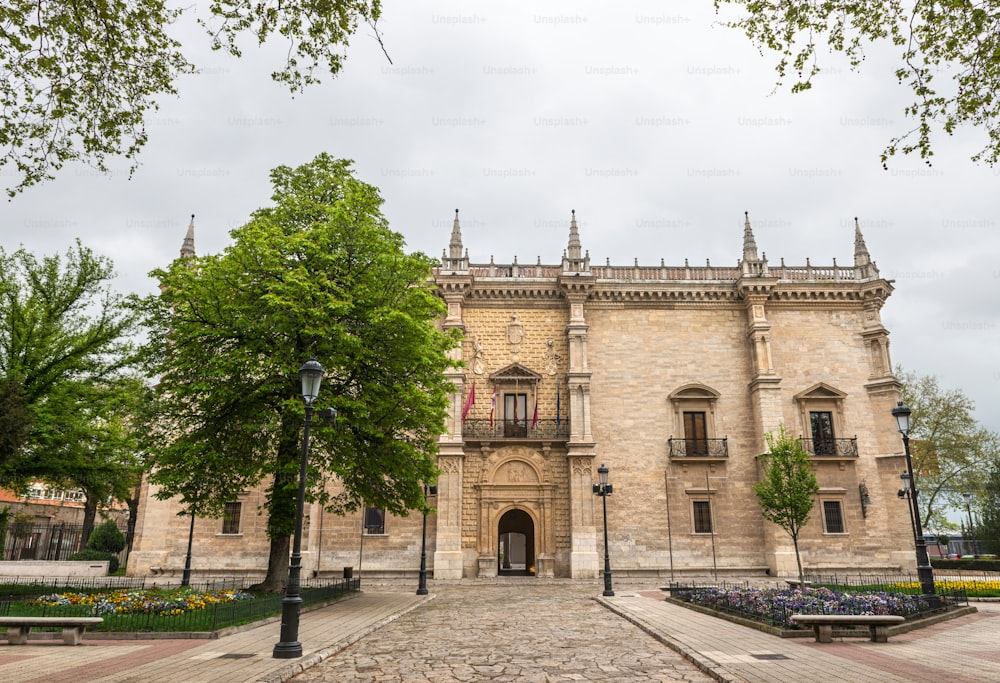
(516, 513)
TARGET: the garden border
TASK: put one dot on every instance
(905, 627)
(196, 635)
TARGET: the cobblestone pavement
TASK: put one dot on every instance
(517, 632)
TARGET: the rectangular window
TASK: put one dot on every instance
(833, 519)
(695, 434)
(702, 517)
(374, 521)
(515, 415)
(231, 518)
(822, 433)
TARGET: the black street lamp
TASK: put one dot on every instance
(186, 576)
(604, 489)
(968, 508)
(925, 573)
(311, 374)
(422, 585)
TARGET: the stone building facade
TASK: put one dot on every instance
(669, 375)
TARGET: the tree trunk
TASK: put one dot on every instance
(89, 514)
(277, 567)
(133, 513)
(798, 561)
(281, 506)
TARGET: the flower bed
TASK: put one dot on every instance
(775, 606)
(160, 603)
(980, 588)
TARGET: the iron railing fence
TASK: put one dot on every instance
(516, 429)
(841, 448)
(50, 542)
(712, 448)
(212, 617)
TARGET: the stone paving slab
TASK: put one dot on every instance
(962, 650)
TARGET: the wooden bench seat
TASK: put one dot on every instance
(72, 627)
(878, 624)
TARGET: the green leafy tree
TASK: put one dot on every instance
(787, 490)
(951, 451)
(988, 504)
(317, 274)
(79, 79)
(97, 448)
(949, 57)
(63, 334)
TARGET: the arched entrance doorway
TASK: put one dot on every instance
(516, 547)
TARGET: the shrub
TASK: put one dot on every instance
(92, 555)
(107, 538)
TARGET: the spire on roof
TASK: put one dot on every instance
(455, 260)
(187, 249)
(574, 237)
(864, 267)
(571, 257)
(749, 243)
(861, 255)
(455, 245)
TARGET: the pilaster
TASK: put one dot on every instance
(448, 547)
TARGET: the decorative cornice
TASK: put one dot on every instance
(638, 285)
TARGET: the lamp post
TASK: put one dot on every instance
(311, 374)
(925, 573)
(905, 491)
(968, 508)
(422, 585)
(186, 576)
(604, 489)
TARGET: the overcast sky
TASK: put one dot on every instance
(659, 126)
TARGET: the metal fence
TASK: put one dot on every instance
(50, 542)
(773, 606)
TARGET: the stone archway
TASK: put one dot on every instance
(514, 480)
(516, 552)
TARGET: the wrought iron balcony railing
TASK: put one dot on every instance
(838, 448)
(705, 448)
(516, 429)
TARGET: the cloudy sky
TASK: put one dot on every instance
(659, 126)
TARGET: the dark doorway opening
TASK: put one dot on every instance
(516, 546)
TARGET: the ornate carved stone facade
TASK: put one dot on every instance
(669, 375)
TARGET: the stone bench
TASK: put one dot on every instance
(72, 627)
(878, 624)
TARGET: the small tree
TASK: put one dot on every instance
(787, 491)
(107, 538)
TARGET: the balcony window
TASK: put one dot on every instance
(515, 411)
(824, 439)
(695, 434)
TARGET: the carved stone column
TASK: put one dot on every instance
(448, 552)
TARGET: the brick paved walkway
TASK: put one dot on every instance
(963, 650)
